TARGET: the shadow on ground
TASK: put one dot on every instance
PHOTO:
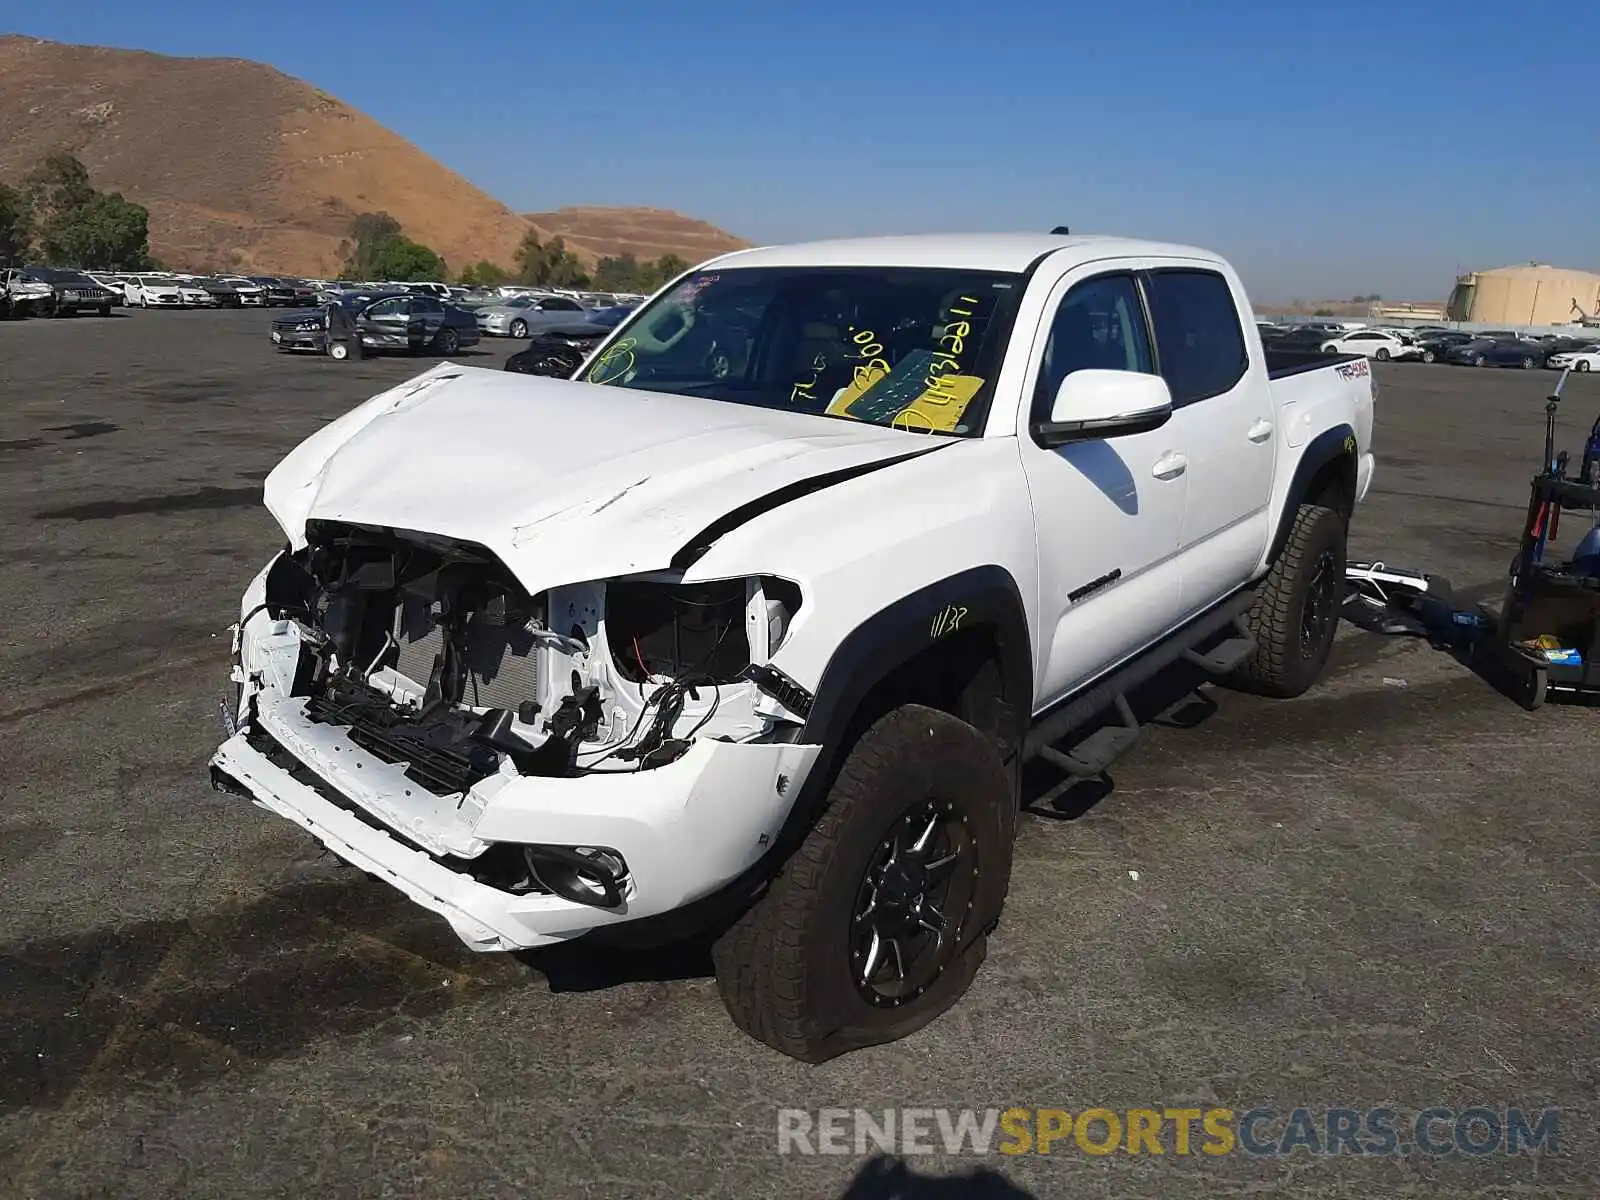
(887, 1178)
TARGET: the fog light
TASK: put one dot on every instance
(591, 875)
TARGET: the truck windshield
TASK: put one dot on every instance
(911, 348)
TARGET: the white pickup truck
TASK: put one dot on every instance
(746, 630)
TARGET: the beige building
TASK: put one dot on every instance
(1535, 294)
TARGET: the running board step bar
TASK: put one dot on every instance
(1091, 756)
(1228, 655)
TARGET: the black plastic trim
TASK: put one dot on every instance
(1330, 444)
(981, 597)
(1050, 434)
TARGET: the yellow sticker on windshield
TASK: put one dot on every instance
(865, 377)
(939, 408)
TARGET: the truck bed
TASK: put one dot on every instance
(1281, 363)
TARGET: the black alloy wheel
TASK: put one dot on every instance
(1321, 610)
(916, 893)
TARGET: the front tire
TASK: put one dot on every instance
(1383, 354)
(1296, 609)
(880, 920)
(1581, 365)
(1427, 356)
(338, 351)
(1478, 361)
(1528, 364)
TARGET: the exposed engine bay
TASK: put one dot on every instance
(429, 652)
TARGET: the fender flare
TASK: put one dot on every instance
(1328, 446)
(984, 597)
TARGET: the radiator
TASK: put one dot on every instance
(502, 660)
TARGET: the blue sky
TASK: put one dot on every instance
(1327, 149)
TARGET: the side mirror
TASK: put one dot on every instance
(1094, 404)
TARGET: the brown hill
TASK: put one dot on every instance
(243, 166)
(642, 232)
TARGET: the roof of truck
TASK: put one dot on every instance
(967, 251)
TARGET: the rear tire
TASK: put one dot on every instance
(1383, 354)
(339, 351)
(1296, 609)
(799, 970)
(447, 341)
(1528, 364)
(519, 329)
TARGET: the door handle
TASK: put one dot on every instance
(1260, 431)
(1170, 466)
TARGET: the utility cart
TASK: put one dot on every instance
(1547, 641)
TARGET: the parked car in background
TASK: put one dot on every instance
(24, 294)
(1582, 358)
(559, 350)
(71, 292)
(1498, 352)
(221, 293)
(251, 295)
(113, 284)
(400, 323)
(439, 291)
(1374, 344)
(194, 294)
(1435, 346)
(520, 315)
(283, 293)
(153, 291)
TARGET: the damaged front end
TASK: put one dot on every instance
(592, 753)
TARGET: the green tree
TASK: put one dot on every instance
(407, 260)
(16, 226)
(620, 274)
(106, 231)
(484, 274)
(548, 264)
(372, 233)
(668, 266)
(59, 184)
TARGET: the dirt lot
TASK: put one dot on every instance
(1377, 895)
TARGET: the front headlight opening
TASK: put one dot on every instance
(712, 631)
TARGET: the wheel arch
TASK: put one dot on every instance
(960, 645)
(1325, 474)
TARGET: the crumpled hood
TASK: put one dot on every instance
(564, 481)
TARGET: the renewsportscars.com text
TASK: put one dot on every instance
(1475, 1131)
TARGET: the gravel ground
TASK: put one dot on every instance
(1378, 895)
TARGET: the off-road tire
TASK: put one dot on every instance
(784, 969)
(1286, 661)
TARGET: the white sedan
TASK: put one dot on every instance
(1374, 344)
(153, 291)
(1586, 359)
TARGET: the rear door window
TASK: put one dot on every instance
(1198, 339)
